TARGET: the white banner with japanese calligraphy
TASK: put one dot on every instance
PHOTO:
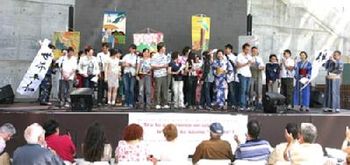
(37, 70)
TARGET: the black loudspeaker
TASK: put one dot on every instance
(81, 99)
(273, 102)
(6, 95)
(317, 99)
(71, 18)
(249, 24)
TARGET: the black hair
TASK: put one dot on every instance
(70, 49)
(133, 46)
(94, 143)
(287, 51)
(337, 51)
(175, 55)
(253, 129)
(50, 127)
(304, 53)
(272, 55)
(229, 46)
(105, 44)
(191, 57)
(254, 47)
(87, 49)
(185, 50)
(220, 50)
(144, 50)
(245, 45)
(115, 51)
(293, 129)
(160, 46)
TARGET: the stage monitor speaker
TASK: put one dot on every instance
(273, 102)
(81, 99)
(317, 99)
(6, 95)
(249, 24)
(71, 18)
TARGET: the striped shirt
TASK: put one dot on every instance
(253, 150)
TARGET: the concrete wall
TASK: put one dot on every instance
(172, 17)
(23, 23)
(288, 24)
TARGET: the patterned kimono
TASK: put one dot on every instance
(220, 79)
(332, 95)
(302, 98)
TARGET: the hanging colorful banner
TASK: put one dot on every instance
(63, 40)
(114, 28)
(147, 40)
(200, 32)
(37, 70)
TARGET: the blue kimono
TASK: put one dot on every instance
(220, 80)
(302, 98)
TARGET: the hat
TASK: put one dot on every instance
(216, 128)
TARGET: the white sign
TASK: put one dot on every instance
(192, 128)
(37, 70)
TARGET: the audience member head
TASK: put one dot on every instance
(336, 55)
(303, 55)
(133, 132)
(132, 48)
(255, 51)
(216, 130)
(186, 51)
(161, 47)
(253, 127)
(287, 53)
(89, 51)
(51, 127)
(292, 128)
(170, 132)
(7, 130)
(94, 143)
(146, 53)
(34, 134)
(70, 52)
(105, 47)
(273, 58)
(246, 48)
(220, 54)
(228, 49)
(308, 133)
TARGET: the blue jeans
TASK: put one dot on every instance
(243, 91)
(205, 95)
(129, 85)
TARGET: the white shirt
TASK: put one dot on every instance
(88, 66)
(69, 66)
(285, 73)
(233, 76)
(159, 59)
(172, 151)
(102, 59)
(243, 59)
(2, 144)
(130, 59)
(306, 154)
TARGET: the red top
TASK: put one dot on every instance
(62, 145)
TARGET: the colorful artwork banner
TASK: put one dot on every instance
(63, 40)
(147, 40)
(200, 33)
(114, 28)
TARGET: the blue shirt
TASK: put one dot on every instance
(35, 154)
(253, 150)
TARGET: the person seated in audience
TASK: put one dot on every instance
(346, 145)
(307, 152)
(35, 151)
(132, 148)
(214, 148)
(61, 144)
(171, 150)
(276, 156)
(7, 130)
(96, 150)
(254, 149)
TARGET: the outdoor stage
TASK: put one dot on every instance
(331, 126)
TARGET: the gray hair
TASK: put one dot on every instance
(8, 128)
(308, 132)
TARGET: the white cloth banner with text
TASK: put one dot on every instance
(37, 70)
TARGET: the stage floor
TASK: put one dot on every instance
(32, 107)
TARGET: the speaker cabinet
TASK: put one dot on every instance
(273, 102)
(81, 99)
(6, 95)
